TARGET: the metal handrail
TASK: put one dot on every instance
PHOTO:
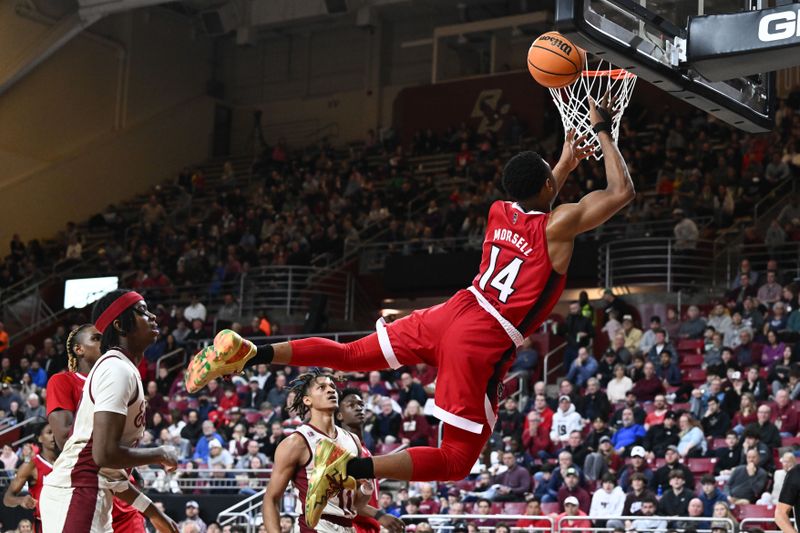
(548, 355)
(22, 424)
(667, 519)
(166, 356)
(759, 520)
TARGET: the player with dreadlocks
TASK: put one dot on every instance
(63, 395)
(315, 398)
(106, 423)
(351, 417)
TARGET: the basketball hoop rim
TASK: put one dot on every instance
(616, 74)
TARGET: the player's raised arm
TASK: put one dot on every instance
(569, 220)
(574, 150)
(289, 454)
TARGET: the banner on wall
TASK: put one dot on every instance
(486, 104)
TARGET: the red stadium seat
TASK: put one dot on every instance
(550, 507)
(691, 361)
(753, 511)
(717, 443)
(695, 375)
(790, 441)
(514, 508)
(687, 345)
(676, 407)
(252, 417)
(701, 465)
(497, 508)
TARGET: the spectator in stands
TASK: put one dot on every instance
(649, 386)
(744, 291)
(254, 396)
(4, 344)
(195, 310)
(772, 352)
(578, 332)
(747, 481)
(415, 430)
(228, 312)
(192, 518)
(541, 407)
(609, 501)
(527, 358)
(745, 269)
(576, 446)
(636, 494)
(668, 371)
(514, 483)
(197, 332)
(572, 489)
(275, 437)
(637, 467)
(33, 407)
(204, 442)
(685, 230)
(661, 436)
(694, 325)
(632, 334)
(751, 316)
(604, 461)
(565, 420)
(583, 368)
(533, 508)
(629, 434)
(630, 403)
(771, 291)
(787, 419)
(411, 390)
(675, 502)
(376, 385)
(536, 438)
(788, 461)
(752, 441)
(278, 394)
(722, 510)
(218, 456)
(778, 320)
(715, 421)
(661, 344)
(623, 355)
(692, 440)
(619, 387)
(710, 494)
(658, 413)
(612, 325)
(661, 476)
(153, 213)
(387, 423)
(648, 523)
(728, 457)
(594, 403)
(693, 510)
(649, 337)
(253, 451)
(193, 429)
(747, 352)
(605, 367)
(767, 432)
(427, 502)
(720, 320)
(712, 356)
(484, 507)
(8, 374)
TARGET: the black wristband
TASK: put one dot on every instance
(602, 126)
(378, 514)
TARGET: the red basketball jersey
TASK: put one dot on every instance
(516, 276)
(365, 524)
(43, 467)
(64, 391)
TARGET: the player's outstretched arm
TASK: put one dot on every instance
(387, 521)
(12, 496)
(289, 454)
(143, 504)
(569, 220)
(782, 518)
(61, 421)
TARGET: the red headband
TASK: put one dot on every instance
(113, 311)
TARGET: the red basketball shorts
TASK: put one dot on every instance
(470, 348)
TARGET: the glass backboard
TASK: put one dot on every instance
(648, 37)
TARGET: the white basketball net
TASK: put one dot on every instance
(572, 101)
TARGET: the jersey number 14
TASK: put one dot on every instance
(503, 281)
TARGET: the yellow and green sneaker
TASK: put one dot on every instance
(328, 478)
(227, 355)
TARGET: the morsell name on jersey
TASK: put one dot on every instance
(509, 236)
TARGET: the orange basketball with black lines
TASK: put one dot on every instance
(554, 61)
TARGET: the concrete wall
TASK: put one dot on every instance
(111, 113)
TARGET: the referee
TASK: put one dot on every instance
(789, 500)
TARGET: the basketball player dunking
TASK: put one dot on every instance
(78, 494)
(296, 459)
(32, 473)
(351, 417)
(63, 396)
(473, 336)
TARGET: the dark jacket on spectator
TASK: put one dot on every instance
(744, 486)
(659, 438)
(628, 471)
(591, 406)
(414, 392)
(638, 416)
(768, 434)
(253, 400)
(633, 502)
(727, 458)
(416, 429)
(518, 479)
(647, 389)
(510, 423)
(584, 500)
(661, 477)
(672, 504)
(192, 432)
(386, 425)
(716, 425)
(671, 373)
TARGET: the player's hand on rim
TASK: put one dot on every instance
(604, 111)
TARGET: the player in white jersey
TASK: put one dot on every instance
(296, 458)
(77, 494)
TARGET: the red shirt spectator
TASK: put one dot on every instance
(229, 399)
(570, 517)
(534, 508)
(647, 388)
(786, 416)
(428, 503)
(414, 429)
(424, 374)
(572, 489)
(535, 436)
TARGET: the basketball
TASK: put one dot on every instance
(554, 61)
